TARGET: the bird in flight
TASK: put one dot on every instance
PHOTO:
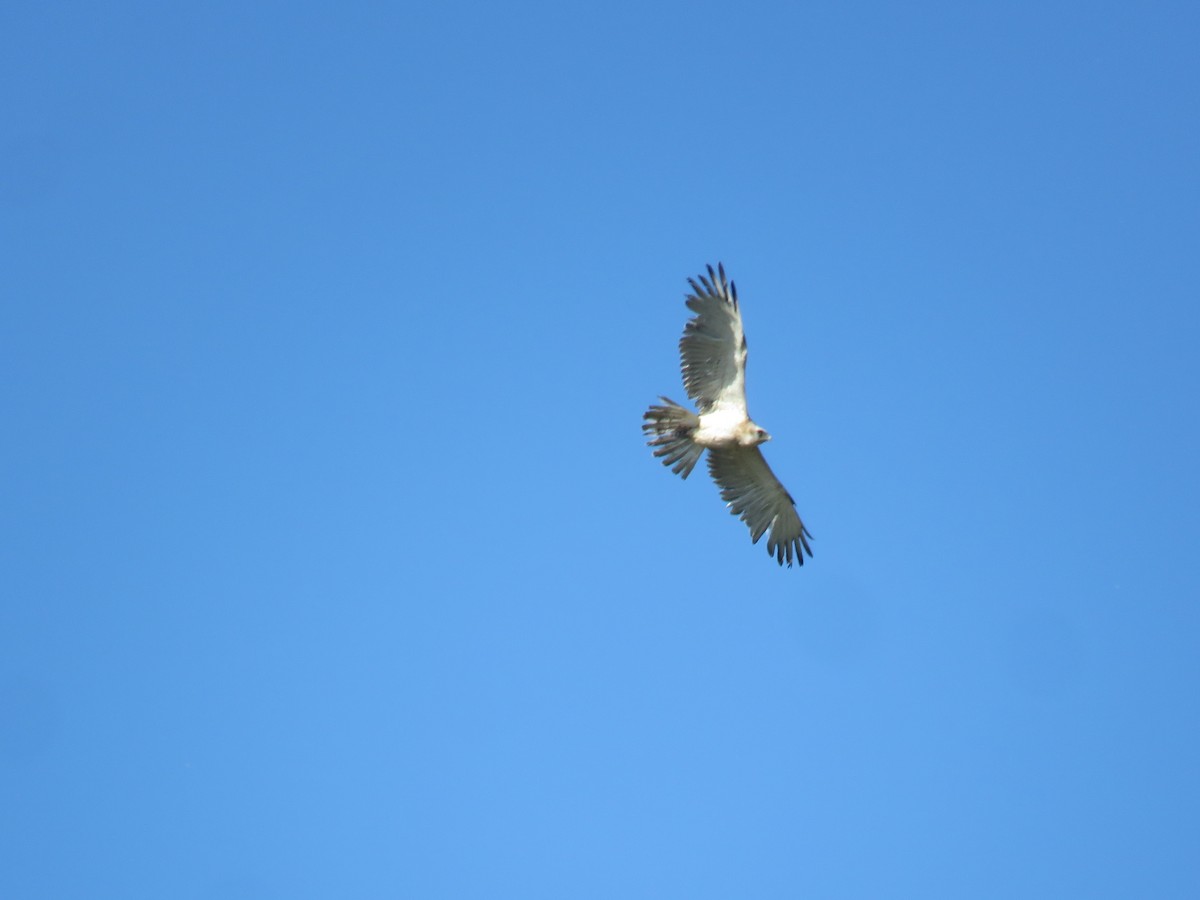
(713, 358)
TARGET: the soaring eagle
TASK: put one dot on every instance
(713, 358)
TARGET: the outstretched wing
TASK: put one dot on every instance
(753, 492)
(713, 348)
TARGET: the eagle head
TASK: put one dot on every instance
(750, 435)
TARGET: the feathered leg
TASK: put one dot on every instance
(673, 426)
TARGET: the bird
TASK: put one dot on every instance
(713, 361)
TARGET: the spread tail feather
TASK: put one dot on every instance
(673, 426)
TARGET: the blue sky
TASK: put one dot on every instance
(332, 559)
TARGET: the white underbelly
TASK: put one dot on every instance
(718, 428)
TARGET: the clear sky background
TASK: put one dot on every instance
(334, 564)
